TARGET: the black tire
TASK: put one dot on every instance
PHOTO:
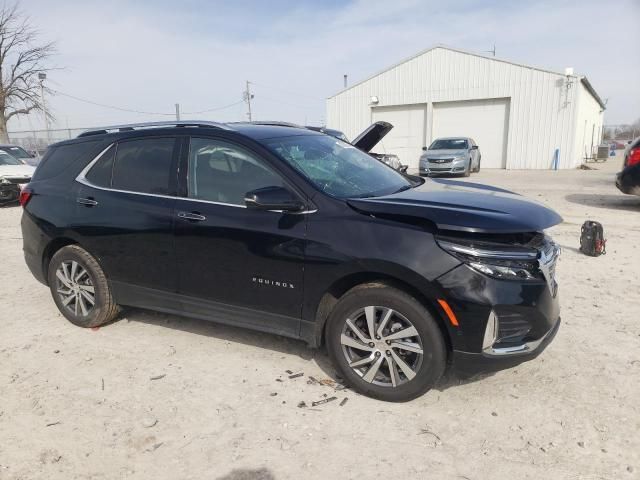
(434, 356)
(104, 309)
(479, 161)
(467, 171)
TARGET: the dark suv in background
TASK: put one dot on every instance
(628, 180)
(293, 232)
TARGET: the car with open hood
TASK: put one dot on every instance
(292, 232)
(367, 140)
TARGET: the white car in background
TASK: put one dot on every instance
(14, 174)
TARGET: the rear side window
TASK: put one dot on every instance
(59, 158)
(144, 165)
(100, 173)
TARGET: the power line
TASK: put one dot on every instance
(91, 102)
(122, 109)
(214, 109)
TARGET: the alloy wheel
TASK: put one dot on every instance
(75, 288)
(382, 346)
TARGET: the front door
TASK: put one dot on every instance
(236, 264)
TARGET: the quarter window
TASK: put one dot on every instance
(100, 173)
(223, 172)
(144, 165)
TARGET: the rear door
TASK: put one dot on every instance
(237, 265)
(125, 213)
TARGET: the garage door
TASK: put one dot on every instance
(486, 121)
(408, 134)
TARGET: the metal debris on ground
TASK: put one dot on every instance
(326, 400)
(302, 405)
(278, 379)
(289, 372)
(344, 400)
(273, 394)
(426, 431)
(52, 424)
(328, 382)
(158, 377)
(296, 375)
(312, 380)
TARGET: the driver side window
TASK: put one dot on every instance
(223, 172)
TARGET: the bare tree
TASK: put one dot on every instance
(22, 61)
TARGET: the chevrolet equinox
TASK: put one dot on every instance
(289, 231)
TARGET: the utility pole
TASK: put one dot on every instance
(491, 51)
(42, 77)
(247, 96)
(177, 112)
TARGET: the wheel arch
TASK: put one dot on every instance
(341, 286)
(50, 250)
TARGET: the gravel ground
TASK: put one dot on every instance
(158, 396)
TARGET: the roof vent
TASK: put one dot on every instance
(568, 71)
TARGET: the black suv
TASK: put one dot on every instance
(294, 232)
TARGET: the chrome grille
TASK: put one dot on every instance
(440, 160)
(549, 253)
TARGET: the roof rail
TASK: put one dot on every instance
(274, 123)
(145, 125)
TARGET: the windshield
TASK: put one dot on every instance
(338, 168)
(17, 152)
(449, 144)
(6, 159)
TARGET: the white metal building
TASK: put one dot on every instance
(518, 115)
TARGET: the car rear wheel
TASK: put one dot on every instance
(385, 344)
(80, 289)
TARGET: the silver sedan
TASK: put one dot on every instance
(450, 156)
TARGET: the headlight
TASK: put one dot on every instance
(392, 161)
(505, 262)
(459, 159)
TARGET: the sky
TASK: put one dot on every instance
(149, 55)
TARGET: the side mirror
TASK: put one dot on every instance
(474, 147)
(273, 198)
(424, 149)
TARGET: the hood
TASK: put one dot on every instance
(444, 153)
(463, 206)
(371, 136)
(17, 171)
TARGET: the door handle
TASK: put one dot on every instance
(89, 202)
(192, 216)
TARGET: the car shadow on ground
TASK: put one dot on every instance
(272, 342)
(618, 202)
(253, 338)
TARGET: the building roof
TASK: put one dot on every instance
(583, 79)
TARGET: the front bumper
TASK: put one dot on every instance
(527, 312)
(9, 193)
(456, 167)
(470, 363)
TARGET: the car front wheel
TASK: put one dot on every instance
(385, 344)
(80, 289)
(467, 171)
